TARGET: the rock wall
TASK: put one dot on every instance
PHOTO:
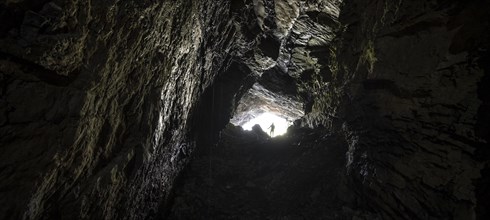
(407, 90)
(95, 102)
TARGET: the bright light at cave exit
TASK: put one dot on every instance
(265, 120)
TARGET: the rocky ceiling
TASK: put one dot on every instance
(103, 105)
(258, 100)
(297, 36)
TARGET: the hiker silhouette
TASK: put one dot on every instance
(272, 129)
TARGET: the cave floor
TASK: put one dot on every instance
(247, 175)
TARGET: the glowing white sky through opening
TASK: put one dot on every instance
(265, 120)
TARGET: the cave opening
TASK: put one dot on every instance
(260, 106)
(268, 119)
(241, 169)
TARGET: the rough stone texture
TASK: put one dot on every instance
(298, 35)
(407, 82)
(95, 102)
(259, 100)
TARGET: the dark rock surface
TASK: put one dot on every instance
(95, 102)
(102, 104)
(250, 176)
(406, 91)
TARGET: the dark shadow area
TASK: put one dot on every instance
(279, 82)
(483, 130)
(46, 75)
(218, 102)
(250, 176)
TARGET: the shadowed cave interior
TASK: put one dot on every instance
(145, 109)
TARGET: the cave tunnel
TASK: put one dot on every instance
(145, 109)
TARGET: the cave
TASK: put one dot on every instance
(143, 109)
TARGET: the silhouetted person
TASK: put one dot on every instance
(272, 129)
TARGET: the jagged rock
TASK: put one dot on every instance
(96, 101)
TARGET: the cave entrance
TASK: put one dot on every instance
(265, 120)
(264, 107)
